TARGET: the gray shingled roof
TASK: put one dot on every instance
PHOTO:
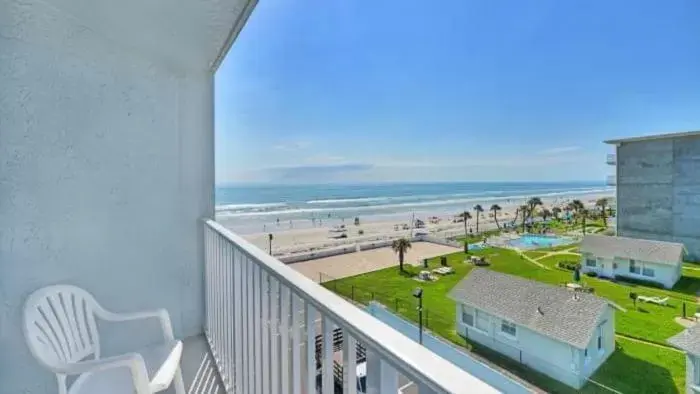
(688, 340)
(549, 310)
(662, 252)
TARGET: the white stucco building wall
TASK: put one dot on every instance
(557, 359)
(106, 160)
(664, 274)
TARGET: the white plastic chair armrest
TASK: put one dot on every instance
(133, 361)
(160, 314)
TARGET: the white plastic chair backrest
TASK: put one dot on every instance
(59, 325)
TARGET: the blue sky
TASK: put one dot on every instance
(351, 91)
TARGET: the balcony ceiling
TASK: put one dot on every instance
(189, 33)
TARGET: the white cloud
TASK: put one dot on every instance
(473, 161)
(292, 146)
(475, 166)
(324, 159)
(561, 149)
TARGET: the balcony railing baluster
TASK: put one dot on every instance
(262, 321)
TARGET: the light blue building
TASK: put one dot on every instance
(613, 257)
(561, 333)
(689, 341)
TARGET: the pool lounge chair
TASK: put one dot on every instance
(444, 270)
(654, 300)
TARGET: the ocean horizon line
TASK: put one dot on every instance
(389, 183)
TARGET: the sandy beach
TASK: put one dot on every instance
(289, 241)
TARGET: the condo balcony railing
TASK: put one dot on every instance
(272, 330)
(611, 180)
(611, 159)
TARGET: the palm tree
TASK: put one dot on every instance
(532, 204)
(478, 209)
(602, 203)
(545, 213)
(556, 211)
(466, 215)
(495, 208)
(401, 246)
(523, 209)
(583, 214)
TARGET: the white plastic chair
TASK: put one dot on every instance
(61, 331)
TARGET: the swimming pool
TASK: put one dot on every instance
(535, 241)
(477, 246)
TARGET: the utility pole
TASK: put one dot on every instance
(418, 293)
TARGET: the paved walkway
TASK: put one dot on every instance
(649, 343)
(687, 323)
(530, 259)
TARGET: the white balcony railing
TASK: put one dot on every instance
(611, 180)
(611, 159)
(262, 319)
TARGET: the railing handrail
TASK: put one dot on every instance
(404, 354)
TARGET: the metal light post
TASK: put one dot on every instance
(269, 236)
(418, 293)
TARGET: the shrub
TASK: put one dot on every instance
(568, 265)
(642, 282)
(361, 232)
(592, 274)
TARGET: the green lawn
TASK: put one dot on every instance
(655, 370)
(574, 248)
(663, 368)
(536, 253)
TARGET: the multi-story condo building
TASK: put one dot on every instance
(658, 188)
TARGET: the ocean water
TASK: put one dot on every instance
(250, 208)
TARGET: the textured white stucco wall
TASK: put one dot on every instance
(106, 168)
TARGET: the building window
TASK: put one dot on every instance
(482, 321)
(468, 316)
(641, 269)
(634, 268)
(508, 328)
(590, 263)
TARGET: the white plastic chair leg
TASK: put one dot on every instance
(179, 383)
